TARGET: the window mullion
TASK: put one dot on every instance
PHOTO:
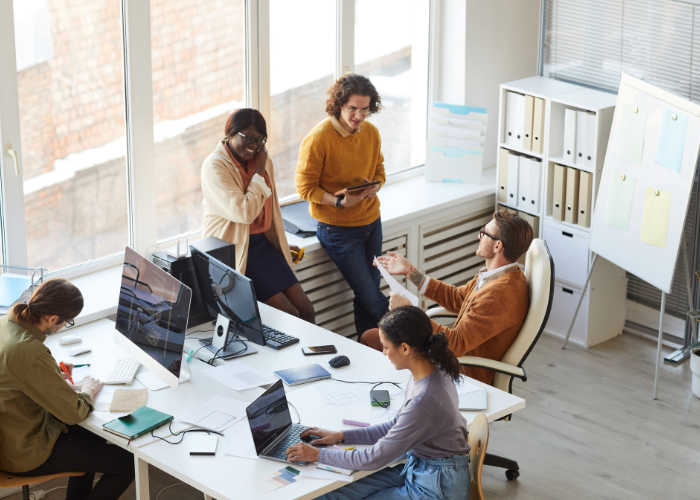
(14, 235)
(138, 87)
(258, 56)
(345, 37)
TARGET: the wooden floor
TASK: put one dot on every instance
(590, 429)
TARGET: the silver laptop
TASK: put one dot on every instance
(271, 425)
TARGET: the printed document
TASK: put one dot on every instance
(395, 285)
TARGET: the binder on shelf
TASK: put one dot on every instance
(534, 222)
(509, 131)
(512, 181)
(538, 126)
(569, 135)
(591, 136)
(502, 175)
(572, 189)
(527, 125)
(519, 120)
(584, 199)
(533, 192)
(558, 192)
(507, 209)
(579, 158)
(524, 182)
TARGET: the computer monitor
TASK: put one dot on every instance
(230, 294)
(152, 317)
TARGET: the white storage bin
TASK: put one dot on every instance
(569, 249)
(453, 165)
(563, 306)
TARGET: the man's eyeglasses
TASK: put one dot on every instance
(250, 140)
(363, 112)
(483, 233)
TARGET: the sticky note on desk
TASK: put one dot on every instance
(657, 209)
(630, 136)
(619, 203)
(671, 144)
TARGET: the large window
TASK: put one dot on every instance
(94, 79)
(71, 108)
(302, 66)
(197, 58)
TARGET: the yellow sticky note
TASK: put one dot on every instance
(657, 209)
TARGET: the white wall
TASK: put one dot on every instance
(479, 44)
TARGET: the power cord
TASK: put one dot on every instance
(376, 384)
(167, 488)
(182, 433)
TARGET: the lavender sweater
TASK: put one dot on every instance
(429, 425)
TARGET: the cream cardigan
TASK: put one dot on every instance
(229, 209)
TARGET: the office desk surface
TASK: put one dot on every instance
(228, 477)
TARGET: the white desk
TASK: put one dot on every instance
(225, 476)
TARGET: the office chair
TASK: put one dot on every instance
(539, 271)
(478, 440)
(8, 480)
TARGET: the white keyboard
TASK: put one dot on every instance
(123, 371)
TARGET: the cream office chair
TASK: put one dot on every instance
(539, 271)
(478, 440)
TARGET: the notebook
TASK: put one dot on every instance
(137, 423)
(303, 374)
(473, 401)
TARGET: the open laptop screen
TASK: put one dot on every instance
(268, 416)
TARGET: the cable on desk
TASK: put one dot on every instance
(182, 433)
(376, 384)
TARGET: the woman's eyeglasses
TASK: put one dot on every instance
(69, 323)
(250, 140)
(483, 233)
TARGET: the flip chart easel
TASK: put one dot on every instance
(645, 189)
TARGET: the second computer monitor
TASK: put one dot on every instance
(229, 293)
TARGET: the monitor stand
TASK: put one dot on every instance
(185, 371)
(220, 343)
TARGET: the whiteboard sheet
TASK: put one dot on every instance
(653, 264)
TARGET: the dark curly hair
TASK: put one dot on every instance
(347, 86)
(411, 325)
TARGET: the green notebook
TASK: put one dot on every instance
(137, 423)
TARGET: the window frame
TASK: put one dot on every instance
(138, 108)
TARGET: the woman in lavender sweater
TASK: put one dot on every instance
(429, 427)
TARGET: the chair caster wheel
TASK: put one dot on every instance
(512, 474)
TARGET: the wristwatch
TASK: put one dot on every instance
(340, 198)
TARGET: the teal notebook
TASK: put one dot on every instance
(137, 423)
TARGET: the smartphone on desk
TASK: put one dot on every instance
(380, 398)
(319, 349)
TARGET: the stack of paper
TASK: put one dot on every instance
(239, 376)
(217, 414)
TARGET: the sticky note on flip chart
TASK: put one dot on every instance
(619, 203)
(669, 151)
(657, 209)
(630, 142)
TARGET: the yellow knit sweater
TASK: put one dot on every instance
(331, 159)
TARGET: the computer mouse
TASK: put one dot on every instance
(339, 361)
(69, 339)
(79, 350)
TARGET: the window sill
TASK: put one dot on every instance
(401, 201)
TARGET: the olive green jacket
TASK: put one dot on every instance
(35, 402)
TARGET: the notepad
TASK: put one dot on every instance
(137, 423)
(128, 399)
(303, 374)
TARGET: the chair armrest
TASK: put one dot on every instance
(440, 312)
(496, 366)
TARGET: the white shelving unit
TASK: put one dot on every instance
(602, 313)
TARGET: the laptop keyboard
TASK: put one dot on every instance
(276, 339)
(293, 437)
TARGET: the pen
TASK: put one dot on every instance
(80, 366)
(64, 369)
(355, 423)
(351, 448)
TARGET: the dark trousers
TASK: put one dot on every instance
(82, 451)
(353, 249)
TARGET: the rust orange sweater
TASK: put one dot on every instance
(488, 320)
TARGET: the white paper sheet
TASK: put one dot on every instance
(151, 381)
(395, 285)
(217, 414)
(340, 394)
(239, 376)
(386, 415)
(315, 473)
(242, 446)
(466, 387)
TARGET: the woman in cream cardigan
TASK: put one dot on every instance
(241, 207)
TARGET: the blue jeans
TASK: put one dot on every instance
(352, 250)
(439, 479)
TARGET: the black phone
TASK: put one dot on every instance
(319, 349)
(380, 398)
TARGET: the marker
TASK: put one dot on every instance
(64, 369)
(351, 448)
(355, 423)
(80, 366)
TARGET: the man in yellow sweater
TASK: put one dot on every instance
(343, 151)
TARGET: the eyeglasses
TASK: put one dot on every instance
(69, 324)
(483, 233)
(363, 112)
(250, 140)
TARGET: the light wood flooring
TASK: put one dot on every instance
(590, 429)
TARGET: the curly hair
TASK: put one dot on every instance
(347, 86)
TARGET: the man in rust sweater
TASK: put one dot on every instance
(491, 307)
